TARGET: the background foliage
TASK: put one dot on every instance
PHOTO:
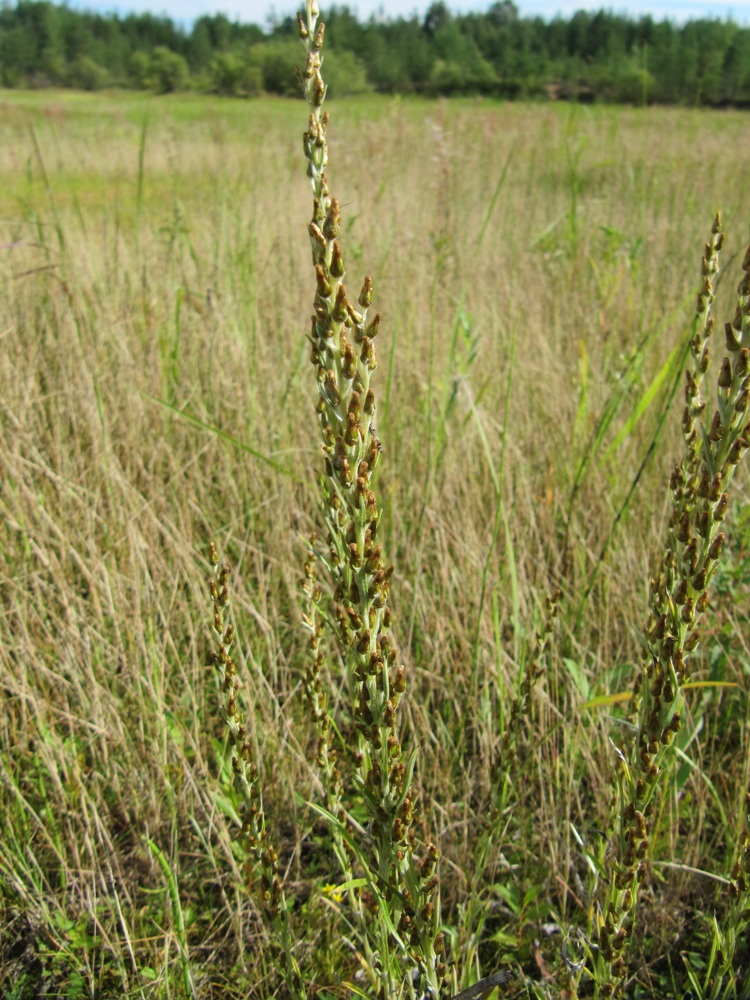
(590, 56)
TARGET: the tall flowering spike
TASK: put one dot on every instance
(714, 443)
(327, 758)
(344, 359)
(253, 834)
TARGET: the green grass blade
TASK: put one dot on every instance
(225, 436)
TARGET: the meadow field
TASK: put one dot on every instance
(537, 267)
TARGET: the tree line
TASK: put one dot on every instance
(589, 56)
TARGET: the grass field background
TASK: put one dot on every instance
(536, 266)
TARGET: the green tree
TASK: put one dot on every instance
(85, 74)
(502, 13)
(278, 61)
(139, 67)
(344, 33)
(169, 70)
(201, 50)
(346, 74)
(437, 17)
(231, 74)
(401, 57)
(736, 69)
(460, 67)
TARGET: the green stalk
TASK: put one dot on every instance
(738, 918)
(179, 919)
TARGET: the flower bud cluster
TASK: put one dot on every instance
(244, 767)
(342, 337)
(739, 886)
(679, 592)
(506, 760)
(513, 751)
(268, 888)
(317, 696)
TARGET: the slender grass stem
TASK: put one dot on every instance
(179, 918)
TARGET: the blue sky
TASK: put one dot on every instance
(258, 11)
